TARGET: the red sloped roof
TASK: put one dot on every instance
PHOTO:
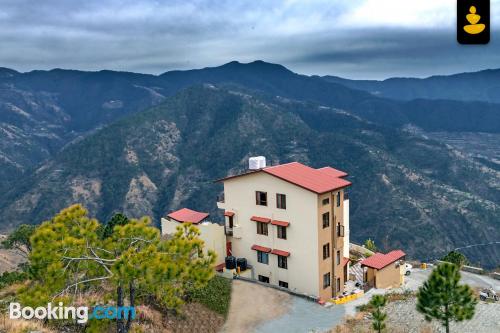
(261, 248)
(260, 219)
(280, 253)
(280, 223)
(333, 172)
(345, 261)
(228, 213)
(380, 260)
(315, 180)
(188, 215)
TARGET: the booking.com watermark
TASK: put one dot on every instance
(81, 314)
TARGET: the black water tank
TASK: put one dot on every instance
(230, 262)
(241, 263)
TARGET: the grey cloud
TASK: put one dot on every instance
(156, 36)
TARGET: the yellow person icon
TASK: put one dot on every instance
(473, 28)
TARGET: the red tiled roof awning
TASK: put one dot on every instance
(380, 260)
(280, 253)
(260, 219)
(345, 261)
(188, 215)
(228, 213)
(280, 223)
(261, 248)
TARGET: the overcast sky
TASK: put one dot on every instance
(350, 38)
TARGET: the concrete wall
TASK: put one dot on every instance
(211, 233)
(302, 233)
(387, 277)
(339, 241)
(346, 228)
(325, 236)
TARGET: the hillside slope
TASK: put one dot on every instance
(42, 111)
(475, 86)
(408, 191)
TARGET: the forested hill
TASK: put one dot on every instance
(408, 191)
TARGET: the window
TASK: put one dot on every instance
(263, 257)
(281, 232)
(326, 220)
(326, 280)
(340, 230)
(326, 201)
(283, 284)
(262, 228)
(338, 257)
(280, 201)
(261, 198)
(338, 284)
(263, 278)
(282, 262)
(338, 199)
(326, 251)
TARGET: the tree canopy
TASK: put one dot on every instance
(379, 317)
(69, 257)
(19, 239)
(442, 297)
(117, 219)
(456, 258)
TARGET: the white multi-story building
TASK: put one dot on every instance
(291, 223)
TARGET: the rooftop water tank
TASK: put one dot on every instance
(256, 162)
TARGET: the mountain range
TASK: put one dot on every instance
(146, 144)
(475, 86)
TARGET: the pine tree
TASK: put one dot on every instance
(379, 317)
(117, 219)
(69, 258)
(443, 298)
(456, 258)
(19, 239)
(370, 245)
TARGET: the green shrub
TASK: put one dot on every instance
(8, 278)
(215, 296)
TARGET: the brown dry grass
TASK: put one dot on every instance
(353, 324)
(8, 325)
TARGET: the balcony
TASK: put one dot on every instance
(228, 231)
(221, 201)
(237, 232)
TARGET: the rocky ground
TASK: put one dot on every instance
(402, 317)
(9, 259)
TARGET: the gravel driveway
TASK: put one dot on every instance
(258, 309)
(402, 316)
(304, 316)
(419, 276)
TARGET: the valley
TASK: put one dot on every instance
(146, 145)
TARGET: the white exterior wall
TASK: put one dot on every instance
(302, 234)
(346, 229)
(211, 233)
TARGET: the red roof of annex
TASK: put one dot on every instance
(188, 215)
(320, 180)
(380, 260)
